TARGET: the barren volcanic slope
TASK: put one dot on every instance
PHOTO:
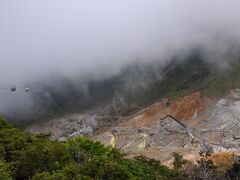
(199, 112)
(187, 125)
(203, 124)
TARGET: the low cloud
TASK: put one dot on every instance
(41, 40)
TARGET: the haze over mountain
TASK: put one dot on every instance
(44, 44)
(130, 89)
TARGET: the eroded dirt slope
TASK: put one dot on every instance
(186, 125)
(183, 109)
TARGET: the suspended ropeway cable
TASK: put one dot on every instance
(13, 88)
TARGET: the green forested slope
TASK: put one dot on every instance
(25, 156)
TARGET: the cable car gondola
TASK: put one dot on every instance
(13, 88)
(26, 90)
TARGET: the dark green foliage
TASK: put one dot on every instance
(105, 168)
(40, 156)
(26, 156)
(48, 176)
(147, 166)
(234, 172)
(5, 171)
(12, 141)
(178, 161)
(82, 149)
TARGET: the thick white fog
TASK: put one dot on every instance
(40, 39)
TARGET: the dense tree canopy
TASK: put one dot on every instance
(25, 156)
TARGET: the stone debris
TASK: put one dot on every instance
(188, 126)
(68, 126)
(84, 131)
(214, 130)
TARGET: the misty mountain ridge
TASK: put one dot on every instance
(135, 86)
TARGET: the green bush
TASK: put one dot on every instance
(5, 171)
(25, 156)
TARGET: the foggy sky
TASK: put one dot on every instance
(96, 38)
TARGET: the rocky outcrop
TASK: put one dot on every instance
(186, 125)
(203, 124)
(183, 108)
